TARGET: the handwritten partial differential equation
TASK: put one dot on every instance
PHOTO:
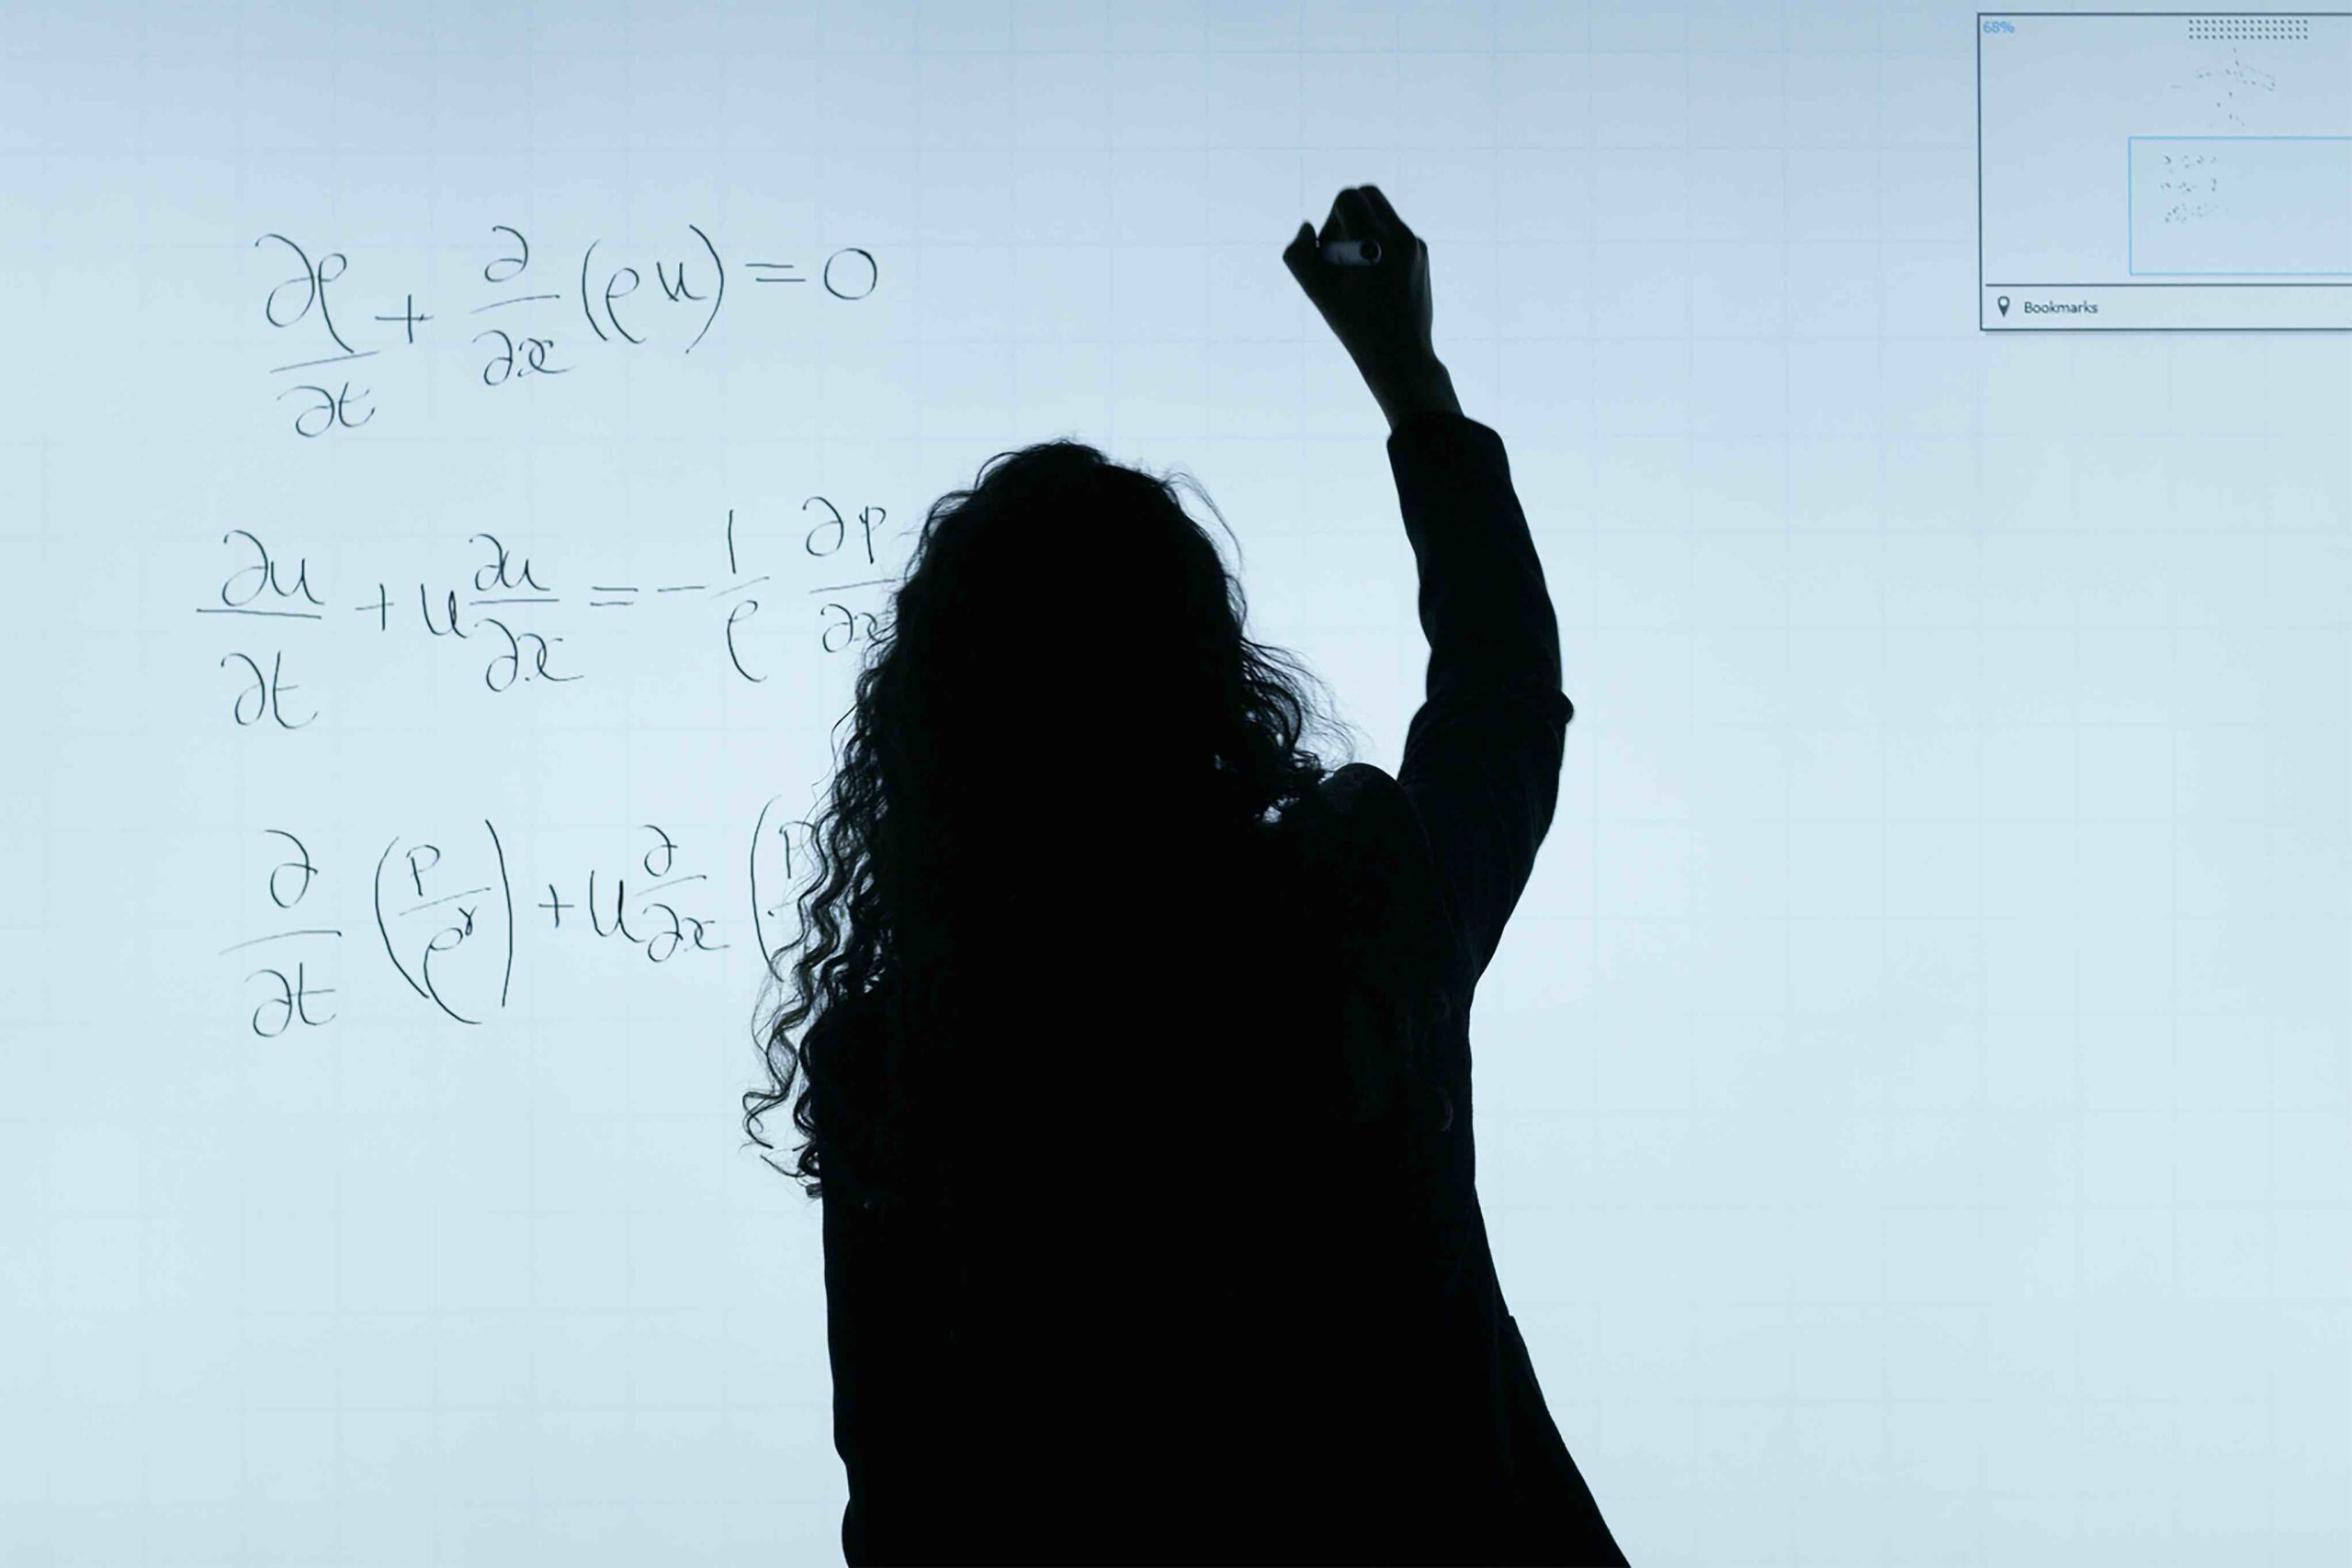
(451, 913)
(530, 343)
(507, 611)
(448, 913)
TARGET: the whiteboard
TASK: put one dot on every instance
(1912, 1097)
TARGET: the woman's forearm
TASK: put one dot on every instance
(1422, 389)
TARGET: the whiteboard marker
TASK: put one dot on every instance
(1351, 252)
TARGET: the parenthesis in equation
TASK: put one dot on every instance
(717, 299)
(759, 926)
(506, 887)
(584, 310)
(377, 894)
(759, 905)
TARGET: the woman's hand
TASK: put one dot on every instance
(1380, 312)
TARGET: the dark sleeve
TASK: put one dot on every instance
(856, 1359)
(1482, 755)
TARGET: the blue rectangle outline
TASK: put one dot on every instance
(2131, 236)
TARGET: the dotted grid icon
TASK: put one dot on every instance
(2276, 28)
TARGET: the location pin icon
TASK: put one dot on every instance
(2003, 302)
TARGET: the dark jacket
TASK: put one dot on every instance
(1218, 1316)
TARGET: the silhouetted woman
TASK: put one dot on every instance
(1136, 1070)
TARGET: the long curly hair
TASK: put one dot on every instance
(1066, 644)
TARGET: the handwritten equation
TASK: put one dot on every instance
(2187, 183)
(606, 293)
(506, 608)
(2229, 89)
(453, 914)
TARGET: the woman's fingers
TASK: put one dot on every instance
(1300, 257)
(1383, 214)
(1355, 217)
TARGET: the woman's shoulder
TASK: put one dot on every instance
(1369, 838)
(1373, 808)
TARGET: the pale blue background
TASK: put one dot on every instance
(1912, 1096)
